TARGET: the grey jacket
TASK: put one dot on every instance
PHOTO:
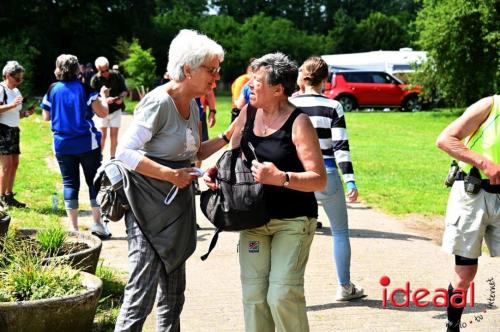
(171, 229)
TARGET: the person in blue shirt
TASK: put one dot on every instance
(70, 105)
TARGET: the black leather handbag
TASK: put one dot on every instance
(239, 202)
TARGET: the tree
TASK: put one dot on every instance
(140, 67)
(380, 32)
(225, 30)
(262, 34)
(463, 41)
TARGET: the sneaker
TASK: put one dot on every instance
(9, 200)
(349, 293)
(100, 230)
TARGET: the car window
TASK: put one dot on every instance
(381, 78)
(358, 77)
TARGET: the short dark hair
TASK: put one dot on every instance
(280, 70)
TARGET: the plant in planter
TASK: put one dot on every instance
(80, 250)
(41, 295)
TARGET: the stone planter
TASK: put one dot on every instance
(73, 313)
(85, 260)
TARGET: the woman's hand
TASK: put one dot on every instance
(209, 178)
(352, 195)
(17, 101)
(182, 177)
(267, 173)
(104, 92)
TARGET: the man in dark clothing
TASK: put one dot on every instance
(117, 93)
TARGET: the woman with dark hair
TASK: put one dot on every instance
(282, 145)
(70, 105)
(327, 117)
(11, 102)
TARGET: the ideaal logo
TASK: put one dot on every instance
(438, 297)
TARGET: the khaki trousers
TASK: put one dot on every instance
(273, 259)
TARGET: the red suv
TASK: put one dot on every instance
(371, 89)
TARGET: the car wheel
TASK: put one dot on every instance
(411, 104)
(348, 103)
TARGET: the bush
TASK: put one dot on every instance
(140, 67)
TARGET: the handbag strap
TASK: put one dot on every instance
(212, 244)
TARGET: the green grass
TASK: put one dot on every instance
(35, 182)
(397, 166)
(111, 298)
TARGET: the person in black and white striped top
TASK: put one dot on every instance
(327, 116)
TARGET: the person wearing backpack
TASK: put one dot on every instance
(11, 103)
(281, 143)
(70, 105)
(158, 148)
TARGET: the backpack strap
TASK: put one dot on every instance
(4, 99)
(212, 244)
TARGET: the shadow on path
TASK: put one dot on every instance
(371, 234)
(377, 304)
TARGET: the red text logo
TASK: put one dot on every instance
(422, 297)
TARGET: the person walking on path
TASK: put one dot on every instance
(283, 147)
(11, 103)
(70, 105)
(115, 82)
(473, 211)
(327, 116)
(161, 143)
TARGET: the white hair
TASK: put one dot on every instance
(101, 62)
(190, 48)
(12, 68)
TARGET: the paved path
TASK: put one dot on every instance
(381, 245)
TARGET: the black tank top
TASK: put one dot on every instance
(279, 149)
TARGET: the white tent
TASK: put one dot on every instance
(388, 61)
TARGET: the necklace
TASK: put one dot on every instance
(266, 126)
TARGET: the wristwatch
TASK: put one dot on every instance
(287, 180)
(213, 111)
(224, 137)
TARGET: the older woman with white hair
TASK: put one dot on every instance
(11, 102)
(158, 148)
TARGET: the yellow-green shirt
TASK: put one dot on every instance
(486, 140)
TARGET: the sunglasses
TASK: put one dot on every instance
(17, 78)
(211, 71)
(105, 70)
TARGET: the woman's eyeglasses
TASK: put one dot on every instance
(17, 78)
(211, 70)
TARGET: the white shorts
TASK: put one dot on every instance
(113, 120)
(469, 219)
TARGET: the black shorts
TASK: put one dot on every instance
(9, 140)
